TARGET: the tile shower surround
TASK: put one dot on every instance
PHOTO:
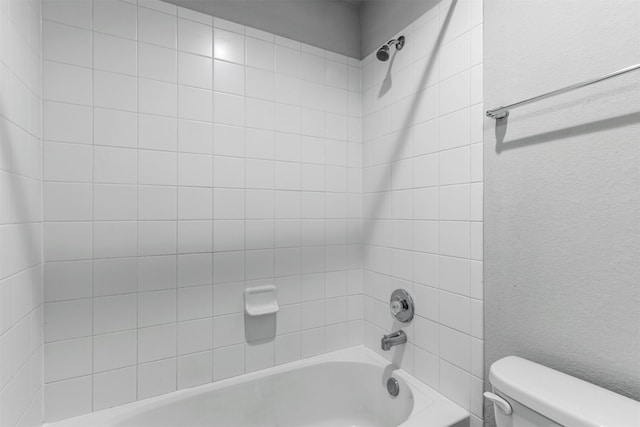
(145, 217)
(21, 314)
(204, 157)
(422, 205)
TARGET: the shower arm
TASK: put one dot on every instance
(398, 43)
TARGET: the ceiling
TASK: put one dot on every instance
(328, 24)
(350, 27)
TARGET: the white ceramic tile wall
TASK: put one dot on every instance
(188, 157)
(422, 210)
(206, 157)
(21, 316)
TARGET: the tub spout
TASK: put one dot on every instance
(393, 339)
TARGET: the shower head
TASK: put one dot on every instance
(384, 52)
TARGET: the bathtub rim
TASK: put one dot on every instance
(430, 407)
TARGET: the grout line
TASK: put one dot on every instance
(93, 213)
(177, 185)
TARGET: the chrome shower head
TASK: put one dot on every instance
(384, 52)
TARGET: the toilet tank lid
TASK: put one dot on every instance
(560, 397)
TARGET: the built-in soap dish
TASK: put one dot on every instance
(260, 300)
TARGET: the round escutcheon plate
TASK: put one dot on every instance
(401, 305)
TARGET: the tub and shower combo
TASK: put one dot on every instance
(351, 387)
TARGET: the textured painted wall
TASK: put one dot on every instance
(328, 24)
(562, 192)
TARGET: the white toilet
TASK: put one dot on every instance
(526, 394)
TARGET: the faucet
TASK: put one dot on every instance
(393, 339)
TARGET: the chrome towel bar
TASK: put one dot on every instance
(502, 112)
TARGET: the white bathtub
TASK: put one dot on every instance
(346, 388)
